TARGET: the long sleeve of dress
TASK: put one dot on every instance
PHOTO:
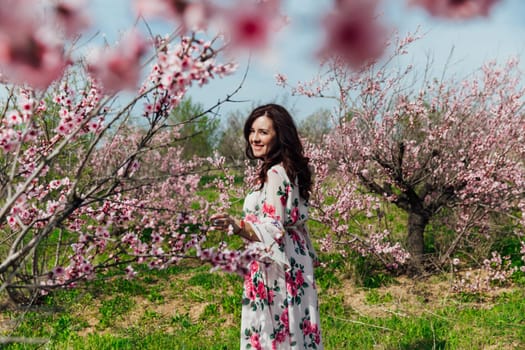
(274, 212)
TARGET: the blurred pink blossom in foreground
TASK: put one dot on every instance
(119, 68)
(71, 14)
(251, 25)
(354, 33)
(192, 15)
(31, 52)
(458, 9)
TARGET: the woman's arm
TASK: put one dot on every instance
(222, 222)
(245, 230)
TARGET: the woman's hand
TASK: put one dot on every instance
(223, 222)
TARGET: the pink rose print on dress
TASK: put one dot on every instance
(254, 267)
(294, 215)
(295, 236)
(280, 337)
(249, 287)
(251, 218)
(312, 330)
(271, 294)
(254, 341)
(268, 209)
(283, 200)
(261, 290)
(284, 319)
(299, 280)
(290, 285)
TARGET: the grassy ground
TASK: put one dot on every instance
(187, 307)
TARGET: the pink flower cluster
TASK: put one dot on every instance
(228, 260)
(456, 9)
(495, 272)
(192, 15)
(354, 32)
(119, 68)
(176, 69)
(377, 244)
(34, 53)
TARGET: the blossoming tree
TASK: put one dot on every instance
(447, 149)
(75, 198)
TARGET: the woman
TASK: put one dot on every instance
(280, 308)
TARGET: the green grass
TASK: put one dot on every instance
(453, 327)
(187, 307)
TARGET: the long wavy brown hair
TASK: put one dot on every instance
(287, 148)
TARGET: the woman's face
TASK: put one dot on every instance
(262, 136)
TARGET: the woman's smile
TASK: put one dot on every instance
(262, 136)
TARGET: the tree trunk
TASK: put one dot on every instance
(415, 240)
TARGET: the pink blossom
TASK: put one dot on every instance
(456, 9)
(158, 8)
(193, 15)
(13, 118)
(86, 268)
(58, 271)
(354, 33)
(71, 15)
(249, 25)
(176, 69)
(33, 53)
(12, 222)
(32, 57)
(130, 272)
(119, 68)
(9, 139)
(281, 79)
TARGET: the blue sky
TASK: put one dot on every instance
(292, 52)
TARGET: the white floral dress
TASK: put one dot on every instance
(280, 307)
